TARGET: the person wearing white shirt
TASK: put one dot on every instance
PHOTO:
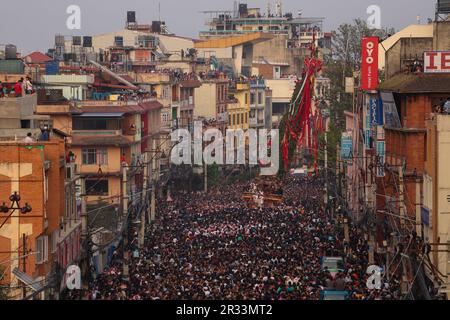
(28, 138)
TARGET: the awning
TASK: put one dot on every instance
(102, 115)
(27, 280)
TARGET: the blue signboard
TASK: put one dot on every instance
(346, 147)
(425, 216)
(381, 152)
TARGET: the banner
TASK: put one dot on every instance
(391, 118)
(436, 62)
(346, 146)
(369, 63)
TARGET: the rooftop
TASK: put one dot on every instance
(417, 83)
(117, 140)
(37, 57)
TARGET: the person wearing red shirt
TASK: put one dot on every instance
(18, 88)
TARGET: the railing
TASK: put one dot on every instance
(130, 102)
(259, 83)
(97, 132)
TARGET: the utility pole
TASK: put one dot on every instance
(401, 198)
(125, 217)
(24, 261)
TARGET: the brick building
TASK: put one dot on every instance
(39, 245)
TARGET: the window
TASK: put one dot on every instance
(41, 249)
(234, 119)
(252, 98)
(96, 187)
(246, 98)
(54, 241)
(246, 118)
(92, 156)
(260, 98)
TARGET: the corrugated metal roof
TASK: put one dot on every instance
(26, 279)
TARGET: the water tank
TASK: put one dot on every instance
(60, 41)
(443, 6)
(156, 26)
(243, 10)
(2, 52)
(87, 42)
(131, 17)
(52, 67)
(12, 66)
(76, 41)
(10, 52)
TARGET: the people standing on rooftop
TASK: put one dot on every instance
(18, 88)
(28, 138)
(28, 86)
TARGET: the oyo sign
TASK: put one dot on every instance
(369, 63)
(436, 62)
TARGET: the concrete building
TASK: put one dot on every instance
(74, 86)
(212, 99)
(436, 189)
(259, 105)
(284, 52)
(399, 52)
(102, 134)
(282, 91)
(42, 243)
(238, 111)
(411, 32)
(234, 53)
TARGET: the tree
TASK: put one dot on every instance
(345, 62)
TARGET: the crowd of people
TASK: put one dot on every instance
(213, 246)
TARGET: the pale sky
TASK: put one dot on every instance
(32, 24)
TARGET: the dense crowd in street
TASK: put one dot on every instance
(214, 247)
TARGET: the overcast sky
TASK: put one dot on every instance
(32, 24)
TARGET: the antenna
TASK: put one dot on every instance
(279, 11)
(268, 8)
(159, 11)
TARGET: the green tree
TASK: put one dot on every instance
(345, 62)
(213, 175)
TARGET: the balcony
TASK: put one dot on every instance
(153, 78)
(96, 132)
(64, 79)
(115, 103)
(187, 104)
(257, 84)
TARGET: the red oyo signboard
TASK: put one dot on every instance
(436, 62)
(369, 63)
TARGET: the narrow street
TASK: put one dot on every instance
(214, 247)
